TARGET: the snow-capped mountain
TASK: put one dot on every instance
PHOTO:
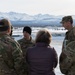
(13, 16)
(25, 19)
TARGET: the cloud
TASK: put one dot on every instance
(56, 7)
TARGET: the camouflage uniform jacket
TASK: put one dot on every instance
(24, 45)
(67, 57)
(11, 57)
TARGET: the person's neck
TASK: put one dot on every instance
(2, 34)
(27, 38)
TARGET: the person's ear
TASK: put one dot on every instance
(9, 30)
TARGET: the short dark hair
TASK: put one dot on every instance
(43, 36)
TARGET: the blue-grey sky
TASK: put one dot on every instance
(32, 7)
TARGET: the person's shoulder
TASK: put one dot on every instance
(32, 41)
(30, 49)
(6, 38)
(73, 27)
(70, 49)
(50, 47)
(73, 30)
(10, 41)
(5, 44)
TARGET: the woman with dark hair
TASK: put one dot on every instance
(42, 58)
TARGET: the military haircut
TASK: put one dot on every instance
(4, 24)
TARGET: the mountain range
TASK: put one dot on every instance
(23, 19)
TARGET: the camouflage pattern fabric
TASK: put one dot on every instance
(70, 52)
(11, 57)
(67, 57)
(24, 45)
(70, 35)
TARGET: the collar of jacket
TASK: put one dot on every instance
(41, 44)
(3, 35)
(26, 39)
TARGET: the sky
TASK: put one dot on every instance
(33, 7)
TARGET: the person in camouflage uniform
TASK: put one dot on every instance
(25, 43)
(67, 56)
(11, 56)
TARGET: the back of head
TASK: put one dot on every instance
(4, 25)
(43, 36)
(27, 29)
(66, 19)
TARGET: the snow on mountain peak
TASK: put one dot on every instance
(14, 16)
